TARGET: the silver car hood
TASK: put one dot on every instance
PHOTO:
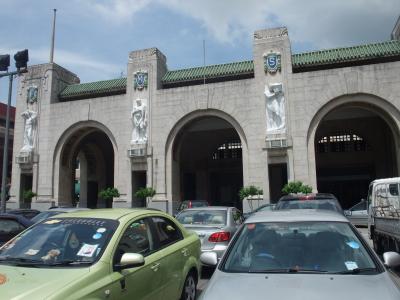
(300, 287)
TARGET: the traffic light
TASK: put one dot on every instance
(4, 62)
(21, 58)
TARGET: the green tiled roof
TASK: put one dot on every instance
(314, 60)
(93, 89)
(209, 72)
(347, 55)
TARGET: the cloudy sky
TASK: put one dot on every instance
(94, 37)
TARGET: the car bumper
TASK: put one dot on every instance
(219, 249)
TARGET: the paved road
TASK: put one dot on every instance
(208, 272)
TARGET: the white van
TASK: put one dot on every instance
(382, 192)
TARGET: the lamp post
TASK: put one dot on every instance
(21, 58)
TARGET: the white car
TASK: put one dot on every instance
(358, 214)
(300, 254)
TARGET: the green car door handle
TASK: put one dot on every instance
(155, 267)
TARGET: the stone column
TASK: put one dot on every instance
(272, 67)
(38, 89)
(145, 70)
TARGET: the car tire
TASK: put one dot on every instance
(189, 287)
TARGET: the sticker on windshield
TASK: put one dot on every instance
(97, 236)
(52, 222)
(353, 244)
(101, 230)
(31, 252)
(351, 265)
(3, 279)
(251, 226)
(87, 250)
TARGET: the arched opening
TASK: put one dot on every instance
(86, 167)
(354, 145)
(207, 162)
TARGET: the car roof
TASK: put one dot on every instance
(297, 215)
(68, 209)
(387, 180)
(316, 196)
(208, 208)
(19, 218)
(106, 213)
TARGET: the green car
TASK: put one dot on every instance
(102, 254)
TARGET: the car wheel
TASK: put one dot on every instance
(189, 288)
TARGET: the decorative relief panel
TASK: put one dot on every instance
(275, 108)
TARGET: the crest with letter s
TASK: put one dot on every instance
(32, 94)
(272, 62)
(140, 80)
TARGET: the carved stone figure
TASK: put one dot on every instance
(139, 121)
(275, 108)
(29, 130)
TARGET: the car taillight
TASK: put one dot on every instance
(306, 198)
(190, 204)
(217, 237)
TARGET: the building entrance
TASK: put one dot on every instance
(353, 146)
(208, 162)
(87, 167)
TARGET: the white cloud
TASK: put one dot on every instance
(321, 23)
(117, 11)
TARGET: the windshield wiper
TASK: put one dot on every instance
(70, 263)
(288, 270)
(356, 271)
(21, 261)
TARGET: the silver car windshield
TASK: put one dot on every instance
(59, 242)
(320, 247)
(202, 217)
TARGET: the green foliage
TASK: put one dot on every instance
(145, 192)
(109, 193)
(28, 195)
(251, 190)
(295, 187)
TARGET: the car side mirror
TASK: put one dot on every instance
(129, 260)
(347, 213)
(209, 258)
(391, 259)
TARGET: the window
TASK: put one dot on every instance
(166, 231)
(137, 238)
(342, 142)
(8, 226)
(228, 150)
(393, 189)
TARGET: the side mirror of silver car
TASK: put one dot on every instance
(391, 259)
(347, 213)
(209, 258)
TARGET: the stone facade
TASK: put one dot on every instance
(309, 97)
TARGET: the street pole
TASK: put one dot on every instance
(5, 153)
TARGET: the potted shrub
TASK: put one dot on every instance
(250, 193)
(27, 197)
(296, 187)
(108, 194)
(145, 193)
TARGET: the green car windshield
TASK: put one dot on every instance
(316, 247)
(60, 242)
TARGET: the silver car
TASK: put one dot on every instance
(358, 214)
(300, 254)
(215, 225)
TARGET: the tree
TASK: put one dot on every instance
(28, 195)
(247, 191)
(145, 192)
(295, 187)
(108, 194)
